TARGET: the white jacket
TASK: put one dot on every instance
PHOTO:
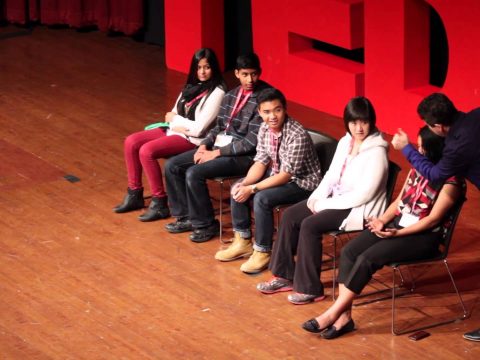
(205, 113)
(363, 182)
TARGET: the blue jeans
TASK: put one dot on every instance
(263, 204)
(187, 188)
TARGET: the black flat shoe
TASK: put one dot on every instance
(205, 234)
(179, 226)
(332, 333)
(312, 326)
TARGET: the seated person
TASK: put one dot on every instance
(195, 110)
(353, 188)
(286, 170)
(410, 229)
(227, 150)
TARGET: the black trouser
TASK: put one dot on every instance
(187, 184)
(301, 234)
(367, 253)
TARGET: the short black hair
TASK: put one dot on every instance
(248, 61)
(437, 108)
(432, 144)
(270, 94)
(360, 108)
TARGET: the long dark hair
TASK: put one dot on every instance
(432, 144)
(194, 87)
(360, 108)
(217, 77)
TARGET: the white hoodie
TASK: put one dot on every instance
(363, 182)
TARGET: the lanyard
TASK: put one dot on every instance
(238, 105)
(196, 98)
(418, 192)
(274, 146)
(344, 166)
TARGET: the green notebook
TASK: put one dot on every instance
(157, 125)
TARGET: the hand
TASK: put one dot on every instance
(400, 140)
(242, 193)
(311, 205)
(180, 129)
(169, 116)
(374, 224)
(208, 155)
(235, 187)
(198, 154)
(387, 233)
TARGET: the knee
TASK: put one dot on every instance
(193, 176)
(309, 228)
(261, 202)
(145, 153)
(130, 143)
(170, 166)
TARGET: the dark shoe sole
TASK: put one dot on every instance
(118, 210)
(204, 238)
(332, 333)
(155, 217)
(177, 230)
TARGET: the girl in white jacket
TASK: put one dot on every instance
(195, 110)
(352, 190)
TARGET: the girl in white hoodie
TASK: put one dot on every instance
(352, 190)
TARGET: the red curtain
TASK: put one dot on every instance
(118, 15)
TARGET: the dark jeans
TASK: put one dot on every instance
(187, 184)
(367, 253)
(263, 204)
(301, 234)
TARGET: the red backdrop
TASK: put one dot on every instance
(394, 34)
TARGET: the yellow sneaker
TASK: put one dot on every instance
(238, 248)
(256, 263)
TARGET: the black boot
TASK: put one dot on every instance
(132, 201)
(158, 209)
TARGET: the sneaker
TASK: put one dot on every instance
(302, 299)
(256, 263)
(472, 335)
(205, 234)
(179, 226)
(274, 285)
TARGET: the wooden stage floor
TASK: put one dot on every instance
(80, 282)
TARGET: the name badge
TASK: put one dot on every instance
(408, 220)
(223, 140)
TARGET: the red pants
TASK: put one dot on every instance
(143, 148)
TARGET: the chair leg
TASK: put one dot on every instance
(221, 211)
(334, 262)
(463, 316)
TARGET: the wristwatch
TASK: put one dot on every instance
(254, 188)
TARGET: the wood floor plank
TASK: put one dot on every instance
(78, 281)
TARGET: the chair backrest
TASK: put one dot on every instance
(325, 146)
(451, 218)
(393, 170)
